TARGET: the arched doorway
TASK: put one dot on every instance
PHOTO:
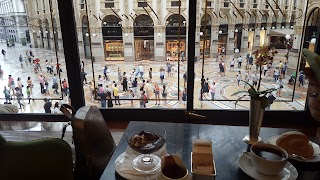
(237, 36)
(55, 34)
(85, 36)
(205, 36)
(143, 37)
(48, 34)
(222, 39)
(313, 22)
(112, 38)
(263, 30)
(172, 36)
(251, 31)
(41, 33)
(284, 21)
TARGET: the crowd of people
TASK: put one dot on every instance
(20, 88)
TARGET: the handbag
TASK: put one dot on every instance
(93, 142)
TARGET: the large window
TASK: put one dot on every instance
(147, 51)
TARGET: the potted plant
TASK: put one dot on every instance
(258, 98)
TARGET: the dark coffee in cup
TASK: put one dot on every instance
(172, 169)
(269, 154)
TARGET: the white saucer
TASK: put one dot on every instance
(316, 151)
(117, 166)
(288, 173)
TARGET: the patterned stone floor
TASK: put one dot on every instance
(226, 85)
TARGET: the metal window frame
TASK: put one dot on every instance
(298, 119)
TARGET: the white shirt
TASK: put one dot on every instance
(240, 59)
(265, 67)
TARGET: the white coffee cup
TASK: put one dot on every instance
(268, 159)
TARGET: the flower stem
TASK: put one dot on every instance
(260, 70)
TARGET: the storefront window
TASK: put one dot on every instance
(205, 36)
(112, 38)
(173, 35)
(143, 38)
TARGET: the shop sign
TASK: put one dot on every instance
(111, 31)
(143, 31)
(173, 31)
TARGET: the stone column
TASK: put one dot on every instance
(214, 40)
(256, 38)
(244, 38)
(159, 39)
(230, 39)
(128, 44)
(96, 46)
(197, 44)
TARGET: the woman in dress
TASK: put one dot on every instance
(157, 93)
(279, 86)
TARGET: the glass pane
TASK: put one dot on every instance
(134, 53)
(232, 42)
(33, 66)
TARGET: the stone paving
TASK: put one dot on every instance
(226, 85)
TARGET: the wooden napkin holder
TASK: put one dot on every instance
(202, 161)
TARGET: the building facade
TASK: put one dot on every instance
(151, 30)
(13, 22)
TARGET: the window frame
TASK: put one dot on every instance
(236, 117)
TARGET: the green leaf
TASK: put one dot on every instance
(251, 87)
(239, 92)
(235, 105)
(264, 102)
(268, 91)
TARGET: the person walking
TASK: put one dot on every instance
(164, 94)
(141, 71)
(21, 60)
(143, 100)
(116, 94)
(11, 84)
(28, 92)
(51, 64)
(301, 79)
(19, 84)
(65, 87)
(162, 75)
(56, 108)
(184, 96)
(212, 90)
(124, 82)
(255, 79)
(276, 74)
(279, 86)
(46, 84)
(105, 72)
(41, 82)
(83, 76)
(239, 62)
(103, 99)
(4, 54)
(55, 85)
(265, 69)
(150, 74)
(232, 65)
(7, 95)
(239, 77)
(19, 96)
(169, 68)
(47, 105)
(157, 93)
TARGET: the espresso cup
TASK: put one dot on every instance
(268, 159)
